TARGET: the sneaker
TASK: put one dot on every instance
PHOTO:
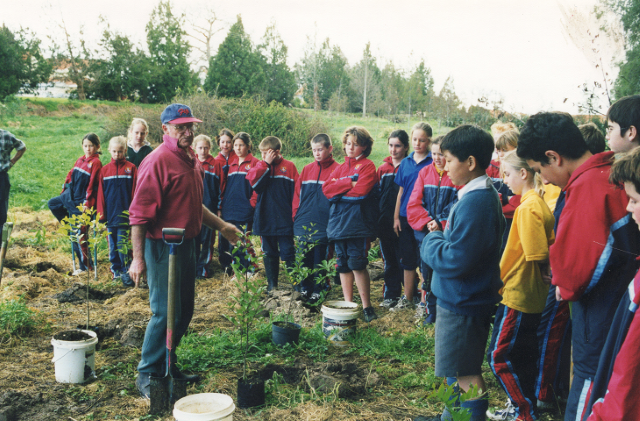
(315, 297)
(429, 320)
(403, 304)
(546, 406)
(389, 302)
(506, 414)
(421, 311)
(305, 294)
(369, 314)
(78, 272)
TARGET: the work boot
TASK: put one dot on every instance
(272, 270)
(143, 383)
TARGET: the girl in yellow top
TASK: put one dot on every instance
(513, 352)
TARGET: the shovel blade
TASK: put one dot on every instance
(178, 390)
(160, 395)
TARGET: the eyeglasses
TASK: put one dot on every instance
(181, 128)
(622, 129)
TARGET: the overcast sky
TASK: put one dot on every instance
(510, 49)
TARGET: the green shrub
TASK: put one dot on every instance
(17, 319)
(295, 128)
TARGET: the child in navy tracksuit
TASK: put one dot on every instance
(311, 212)
(211, 199)
(116, 187)
(398, 143)
(274, 179)
(238, 198)
(80, 188)
(613, 395)
(353, 215)
(226, 156)
(431, 200)
(406, 176)
(465, 259)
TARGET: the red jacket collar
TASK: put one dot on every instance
(598, 160)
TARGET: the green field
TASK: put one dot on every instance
(53, 142)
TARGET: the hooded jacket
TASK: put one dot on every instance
(238, 198)
(116, 187)
(81, 184)
(432, 197)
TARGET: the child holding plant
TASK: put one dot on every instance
(431, 200)
(406, 177)
(353, 214)
(513, 352)
(238, 198)
(274, 180)
(211, 198)
(398, 143)
(311, 212)
(80, 189)
(137, 146)
(116, 187)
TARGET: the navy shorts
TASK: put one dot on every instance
(351, 254)
(460, 343)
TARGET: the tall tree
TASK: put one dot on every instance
(309, 73)
(237, 69)
(280, 80)
(74, 56)
(23, 66)
(447, 104)
(168, 52)
(203, 27)
(365, 78)
(628, 81)
(418, 92)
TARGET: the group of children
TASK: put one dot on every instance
(504, 229)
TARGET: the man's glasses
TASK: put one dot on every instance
(181, 128)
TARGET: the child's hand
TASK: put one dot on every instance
(397, 227)
(353, 184)
(433, 226)
(545, 271)
(558, 295)
(270, 156)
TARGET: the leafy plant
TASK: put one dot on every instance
(374, 253)
(17, 319)
(245, 304)
(448, 394)
(124, 243)
(40, 237)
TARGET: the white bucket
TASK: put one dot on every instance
(339, 320)
(75, 360)
(204, 407)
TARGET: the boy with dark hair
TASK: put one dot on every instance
(613, 394)
(274, 179)
(593, 227)
(624, 121)
(466, 266)
(311, 211)
(594, 137)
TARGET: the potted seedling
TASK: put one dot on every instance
(245, 306)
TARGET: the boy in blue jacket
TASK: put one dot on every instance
(311, 211)
(274, 179)
(466, 265)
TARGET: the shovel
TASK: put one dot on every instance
(6, 233)
(165, 391)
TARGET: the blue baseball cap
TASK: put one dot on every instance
(178, 114)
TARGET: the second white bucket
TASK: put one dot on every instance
(75, 360)
(339, 320)
(204, 407)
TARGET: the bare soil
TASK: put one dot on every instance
(119, 315)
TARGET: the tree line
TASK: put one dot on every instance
(120, 70)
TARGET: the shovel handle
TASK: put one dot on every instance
(173, 232)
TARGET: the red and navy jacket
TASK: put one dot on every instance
(81, 185)
(275, 185)
(116, 187)
(354, 210)
(212, 178)
(432, 197)
(310, 205)
(493, 170)
(388, 192)
(238, 198)
(613, 394)
(225, 162)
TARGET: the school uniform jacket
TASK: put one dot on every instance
(432, 197)
(613, 395)
(275, 184)
(116, 187)
(310, 205)
(388, 193)
(225, 161)
(238, 198)
(354, 210)
(212, 177)
(81, 185)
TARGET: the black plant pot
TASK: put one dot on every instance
(283, 333)
(250, 393)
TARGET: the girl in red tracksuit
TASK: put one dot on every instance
(353, 214)
(431, 200)
(80, 188)
(389, 243)
(226, 156)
